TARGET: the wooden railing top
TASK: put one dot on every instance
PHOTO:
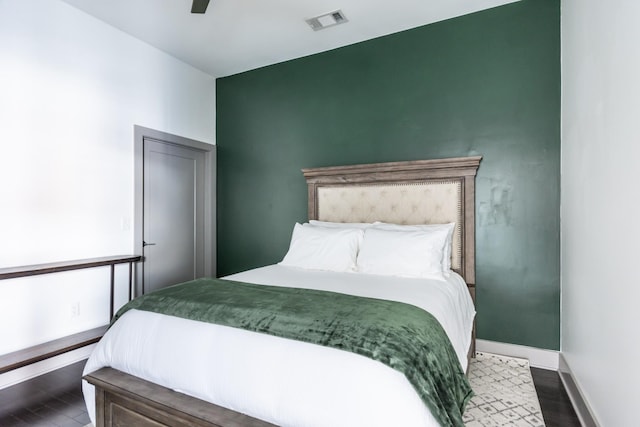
(56, 267)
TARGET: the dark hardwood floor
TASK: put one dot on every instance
(557, 409)
(55, 399)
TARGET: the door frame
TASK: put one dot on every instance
(140, 134)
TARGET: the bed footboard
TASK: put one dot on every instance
(126, 400)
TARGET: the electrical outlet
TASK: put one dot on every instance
(75, 309)
(125, 223)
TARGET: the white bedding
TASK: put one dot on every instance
(286, 382)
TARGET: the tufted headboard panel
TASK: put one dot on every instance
(430, 202)
(415, 192)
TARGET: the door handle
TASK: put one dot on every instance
(147, 244)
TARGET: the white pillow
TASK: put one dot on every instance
(415, 253)
(320, 248)
(446, 256)
(340, 224)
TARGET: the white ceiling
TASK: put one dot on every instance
(240, 35)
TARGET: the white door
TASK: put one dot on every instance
(176, 214)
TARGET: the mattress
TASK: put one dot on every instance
(286, 382)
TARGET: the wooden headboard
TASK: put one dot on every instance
(414, 192)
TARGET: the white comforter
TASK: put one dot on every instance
(286, 382)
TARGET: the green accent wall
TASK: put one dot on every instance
(485, 84)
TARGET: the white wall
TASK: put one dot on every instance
(601, 203)
(71, 90)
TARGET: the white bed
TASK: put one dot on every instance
(269, 377)
(290, 383)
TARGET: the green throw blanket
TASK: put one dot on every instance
(399, 335)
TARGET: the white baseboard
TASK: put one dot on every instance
(27, 372)
(538, 357)
(580, 404)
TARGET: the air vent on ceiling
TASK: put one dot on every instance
(327, 20)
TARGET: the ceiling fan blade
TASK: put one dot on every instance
(199, 6)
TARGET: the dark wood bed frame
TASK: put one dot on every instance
(125, 400)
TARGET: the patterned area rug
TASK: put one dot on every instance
(504, 393)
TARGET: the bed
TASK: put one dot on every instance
(153, 369)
